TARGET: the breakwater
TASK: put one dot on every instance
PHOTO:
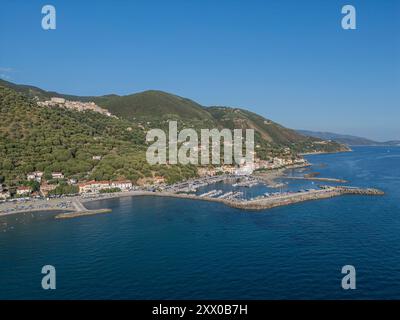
(78, 209)
(317, 179)
(81, 213)
(292, 198)
(268, 202)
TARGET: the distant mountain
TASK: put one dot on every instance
(348, 139)
(269, 133)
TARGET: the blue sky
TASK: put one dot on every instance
(288, 60)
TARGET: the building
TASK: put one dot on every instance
(124, 185)
(74, 105)
(4, 194)
(229, 169)
(93, 186)
(97, 186)
(46, 188)
(204, 172)
(96, 158)
(72, 181)
(245, 170)
(35, 176)
(57, 175)
(24, 191)
(58, 100)
(158, 180)
(30, 177)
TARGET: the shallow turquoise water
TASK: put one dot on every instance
(159, 248)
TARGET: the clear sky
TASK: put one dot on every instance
(289, 61)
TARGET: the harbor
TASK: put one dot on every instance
(233, 200)
(229, 190)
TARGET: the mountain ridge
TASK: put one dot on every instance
(347, 139)
(154, 108)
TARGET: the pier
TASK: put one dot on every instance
(80, 210)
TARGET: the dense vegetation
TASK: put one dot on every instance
(56, 139)
(52, 139)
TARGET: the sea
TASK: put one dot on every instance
(168, 248)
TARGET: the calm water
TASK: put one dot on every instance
(173, 249)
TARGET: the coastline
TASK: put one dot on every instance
(258, 204)
(324, 152)
(74, 206)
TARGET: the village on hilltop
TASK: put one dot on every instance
(74, 105)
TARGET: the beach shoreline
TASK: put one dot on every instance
(75, 205)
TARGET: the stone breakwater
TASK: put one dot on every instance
(274, 201)
(282, 200)
(77, 208)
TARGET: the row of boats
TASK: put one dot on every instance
(219, 194)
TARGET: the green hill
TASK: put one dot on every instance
(271, 136)
(153, 104)
(54, 139)
(153, 108)
(57, 139)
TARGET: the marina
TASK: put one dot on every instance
(232, 192)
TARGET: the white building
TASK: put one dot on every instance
(93, 186)
(4, 195)
(35, 176)
(123, 185)
(57, 175)
(245, 170)
(57, 100)
(23, 191)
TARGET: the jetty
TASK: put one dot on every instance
(267, 200)
(317, 179)
(80, 210)
(76, 207)
(291, 198)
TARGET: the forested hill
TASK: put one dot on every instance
(50, 139)
(158, 107)
(54, 139)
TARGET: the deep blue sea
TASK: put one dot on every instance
(162, 248)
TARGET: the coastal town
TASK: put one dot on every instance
(36, 185)
(73, 205)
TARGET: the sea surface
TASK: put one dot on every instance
(164, 248)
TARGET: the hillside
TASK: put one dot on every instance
(59, 140)
(35, 92)
(347, 139)
(153, 104)
(270, 136)
(153, 108)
